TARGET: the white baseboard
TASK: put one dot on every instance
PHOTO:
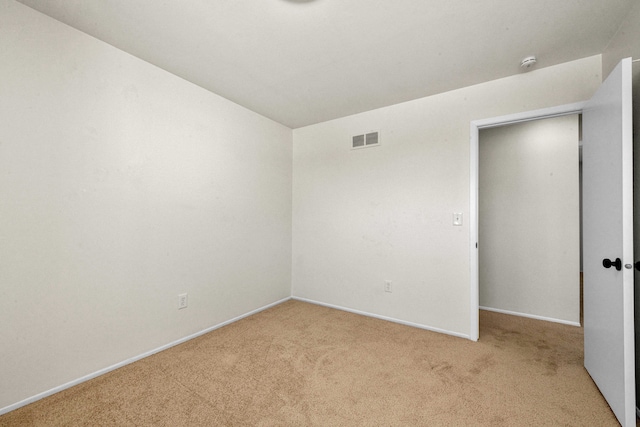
(131, 360)
(377, 316)
(531, 316)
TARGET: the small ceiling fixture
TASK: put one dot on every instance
(528, 62)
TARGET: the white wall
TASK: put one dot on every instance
(122, 186)
(529, 219)
(625, 43)
(365, 216)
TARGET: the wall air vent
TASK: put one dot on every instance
(357, 141)
(370, 139)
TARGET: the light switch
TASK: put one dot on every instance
(457, 219)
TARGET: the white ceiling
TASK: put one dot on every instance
(301, 62)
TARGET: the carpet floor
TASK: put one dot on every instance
(298, 364)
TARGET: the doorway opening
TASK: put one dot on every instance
(529, 219)
(564, 110)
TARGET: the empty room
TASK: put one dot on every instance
(266, 212)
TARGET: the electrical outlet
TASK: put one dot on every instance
(182, 301)
(387, 285)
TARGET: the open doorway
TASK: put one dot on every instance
(475, 127)
(529, 219)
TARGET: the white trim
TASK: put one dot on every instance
(377, 316)
(474, 299)
(103, 371)
(526, 116)
(531, 316)
(475, 126)
(627, 241)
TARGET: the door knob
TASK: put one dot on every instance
(607, 263)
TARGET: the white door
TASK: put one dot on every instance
(607, 167)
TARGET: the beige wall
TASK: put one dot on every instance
(529, 220)
(361, 217)
(122, 186)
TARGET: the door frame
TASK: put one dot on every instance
(475, 126)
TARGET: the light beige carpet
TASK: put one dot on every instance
(299, 364)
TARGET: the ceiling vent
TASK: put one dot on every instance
(370, 139)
